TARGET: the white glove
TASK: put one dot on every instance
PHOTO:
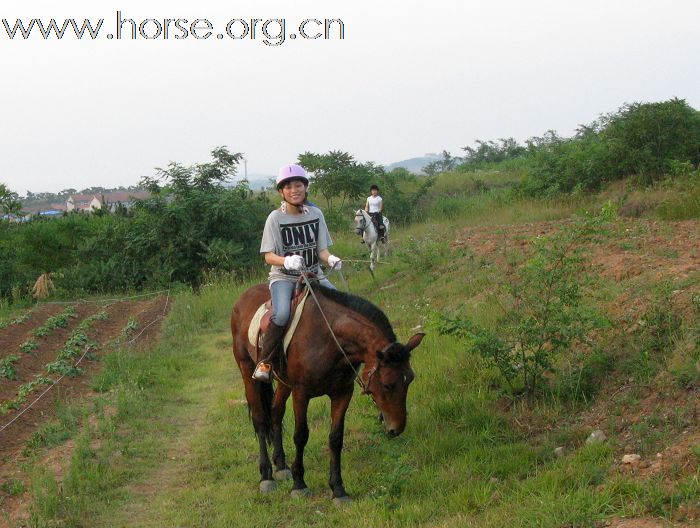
(294, 262)
(334, 262)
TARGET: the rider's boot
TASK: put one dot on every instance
(272, 342)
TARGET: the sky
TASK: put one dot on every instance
(408, 78)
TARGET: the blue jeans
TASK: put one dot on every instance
(282, 291)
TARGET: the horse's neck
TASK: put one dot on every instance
(369, 225)
(355, 330)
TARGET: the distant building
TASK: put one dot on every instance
(43, 208)
(89, 202)
(83, 202)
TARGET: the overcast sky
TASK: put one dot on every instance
(409, 77)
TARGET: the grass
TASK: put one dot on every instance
(168, 441)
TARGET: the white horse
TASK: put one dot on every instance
(365, 227)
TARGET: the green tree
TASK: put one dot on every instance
(645, 138)
(9, 201)
(445, 164)
(493, 152)
(202, 176)
(338, 177)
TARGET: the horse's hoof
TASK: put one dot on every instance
(342, 501)
(301, 493)
(283, 474)
(267, 486)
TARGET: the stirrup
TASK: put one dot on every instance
(263, 372)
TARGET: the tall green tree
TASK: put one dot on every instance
(646, 138)
(183, 179)
(338, 177)
(9, 201)
(445, 164)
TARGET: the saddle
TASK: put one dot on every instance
(261, 320)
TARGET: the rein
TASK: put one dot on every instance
(363, 384)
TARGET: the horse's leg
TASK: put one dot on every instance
(301, 436)
(259, 395)
(279, 405)
(339, 405)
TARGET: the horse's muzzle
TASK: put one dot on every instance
(394, 430)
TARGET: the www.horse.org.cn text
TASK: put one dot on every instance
(270, 31)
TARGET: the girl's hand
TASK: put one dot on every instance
(294, 262)
(334, 262)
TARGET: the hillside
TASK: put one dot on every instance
(414, 165)
(166, 440)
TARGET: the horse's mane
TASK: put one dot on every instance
(361, 306)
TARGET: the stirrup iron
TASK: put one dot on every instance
(263, 372)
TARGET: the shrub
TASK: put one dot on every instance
(647, 140)
(541, 310)
(28, 346)
(7, 368)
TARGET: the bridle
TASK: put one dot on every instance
(368, 378)
(363, 222)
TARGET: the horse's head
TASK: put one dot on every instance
(360, 222)
(388, 380)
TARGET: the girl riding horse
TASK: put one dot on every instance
(295, 239)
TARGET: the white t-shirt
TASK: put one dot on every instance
(375, 203)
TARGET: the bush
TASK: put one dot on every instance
(541, 310)
(652, 139)
(647, 140)
(157, 242)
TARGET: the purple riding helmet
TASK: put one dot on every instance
(289, 172)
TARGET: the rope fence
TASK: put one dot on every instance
(88, 347)
(112, 301)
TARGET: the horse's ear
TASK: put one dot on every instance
(415, 341)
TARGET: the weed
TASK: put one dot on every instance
(13, 486)
(131, 326)
(7, 367)
(28, 346)
(423, 254)
(17, 320)
(54, 322)
(541, 310)
(695, 450)
(63, 368)
(22, 393)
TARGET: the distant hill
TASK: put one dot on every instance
(259, 181)
(255, 181)
(414, 164)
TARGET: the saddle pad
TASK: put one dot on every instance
(254, 328)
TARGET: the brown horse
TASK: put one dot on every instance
(315, 366)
